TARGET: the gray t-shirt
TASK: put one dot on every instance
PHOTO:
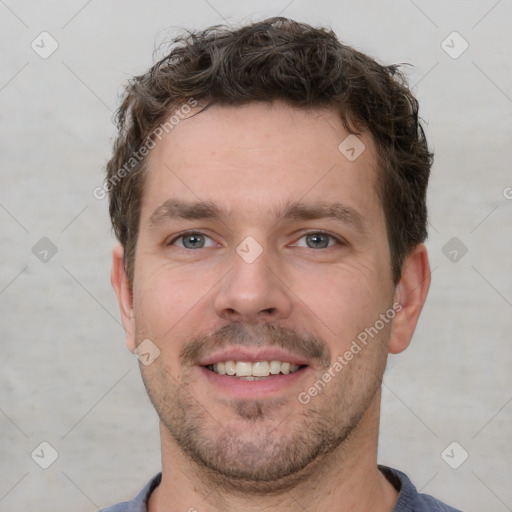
(409, 500)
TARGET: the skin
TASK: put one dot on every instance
(270, 452)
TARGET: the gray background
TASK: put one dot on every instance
(66, 377)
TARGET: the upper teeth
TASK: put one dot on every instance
(257, 369)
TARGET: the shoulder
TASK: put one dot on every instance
(139, 503)
(120, 507)
(409, 499)
(431, 504)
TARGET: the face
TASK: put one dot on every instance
(262, 251)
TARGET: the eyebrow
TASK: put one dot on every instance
(199, 210)
(321, 210)
(179, 209)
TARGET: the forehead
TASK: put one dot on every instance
(255, 158)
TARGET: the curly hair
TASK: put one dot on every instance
(277, 59)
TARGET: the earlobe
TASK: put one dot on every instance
(411, 293)
(123, 290)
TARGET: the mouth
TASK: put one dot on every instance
(249, 373)
(257, 370)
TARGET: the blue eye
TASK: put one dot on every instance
(197, 240)
(318, 240)
(192, 241)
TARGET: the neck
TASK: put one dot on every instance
(345, 480)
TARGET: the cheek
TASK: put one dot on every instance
(344, 302)
(168, 302)
(161, 307)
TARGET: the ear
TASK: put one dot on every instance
(411, 293)
(123, 290)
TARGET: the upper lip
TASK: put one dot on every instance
(246, 354)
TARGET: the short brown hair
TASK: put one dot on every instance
(278, 59)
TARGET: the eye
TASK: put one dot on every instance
(192, 240)
(318, 240)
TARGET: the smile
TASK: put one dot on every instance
(257, 370)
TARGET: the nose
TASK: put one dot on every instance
(253, 292)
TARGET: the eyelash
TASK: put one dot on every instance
(183, 235)
(338, 240)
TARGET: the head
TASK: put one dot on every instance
(298, 168)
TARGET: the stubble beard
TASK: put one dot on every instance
(261, 449)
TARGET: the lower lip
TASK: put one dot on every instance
(239, 388)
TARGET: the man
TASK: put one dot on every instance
(268, 191)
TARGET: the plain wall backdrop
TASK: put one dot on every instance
(66, 377)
